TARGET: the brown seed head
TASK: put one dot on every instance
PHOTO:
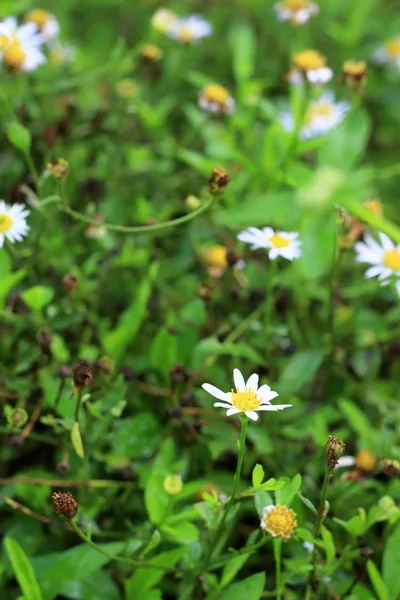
(334, 449)
(218, 181)
(58, 168)
(70, 283)
(391, 468)
(178, 374)
(64, 504)
(82, 373)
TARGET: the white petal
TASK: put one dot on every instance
(268, 396)
(252, 381)
(232, 411)
(214, 391)
(251, 414)
(238, 380)
(373, 271)
(222, 405)
(274, 407)
(386, 241)
(263, 390)
(1, 239)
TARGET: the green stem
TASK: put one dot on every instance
(242, 445)
(375, 221)
(127, 561)
(78, 404)
(246, 550)
(140, 228)
(277, 557)
(269, 300)
(317, 532)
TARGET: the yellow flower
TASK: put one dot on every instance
(310, 65)
(355, 74)
(375, 206)
(216, 99)
(279, 521)
(126, 88)
(215, 260)
(151, 52)
(173, 484)
(365, 461)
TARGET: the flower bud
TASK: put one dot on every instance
(58, 168)
(355, 74)
(173, 484)
(64, 504)
(82, 373)
(334, 449)
(16, 417)
(126, 89)
(70, 283)
(178, 374)
(391, 468)
(218, 181)
(365, 461)
(192, 203)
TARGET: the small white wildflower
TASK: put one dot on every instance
(310, 65)
(278, 243)
(389, 52)
(13, 225)
(23, 52)
(247, 397)
(385, 258)
(297, 12)
(216, 99)
(46, 23)
(189, 30)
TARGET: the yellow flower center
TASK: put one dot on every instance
(375, 206)
(247, 400)
(216, 93)
(186, 34)
(4, 42)
(278, 241)
(5, 223)
(38, 16)
(152, 52)
(354, 68)
(309, 60)
(366, 461)
(296, 5)
(14, 56)
(280, 521)
(393, 47)
(391, 259)
(318, 109)
(215, 257)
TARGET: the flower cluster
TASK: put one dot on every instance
(186, 30)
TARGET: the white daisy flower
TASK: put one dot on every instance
(278, 243)
(216, 99)
(61, 54)
(46, 23)
(296, 11)
(279, 521)
(310, 66)
(189, 30)
(322, 115)
(163, 19)
(23, 53)
(13, 225)
(247, 397)
(309, 546)
(389, 52)
(385, 258)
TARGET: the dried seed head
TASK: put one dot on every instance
(334, 449)
(70, 283)
(205, 292)
(45, 338)
(178, 374)
(391, 468)
(82, 373)
(64, 504)
(63, 468)
(58, 168)
(218, 181)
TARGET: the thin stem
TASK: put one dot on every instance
(78, 404)
(277, 557)
(317, 532)
(269, 300)
(242, 445)
(128, 561)
(246, 550)
(140, 228)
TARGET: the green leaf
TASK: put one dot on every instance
(232, 568)
(359, 422)
(262, 499)
(307, 503)
(250, 588)
(183, 532)
(76, 440)
(23, 570)
(390, 564)
(257, 475)
(144, 579)
(279, 209)
(377, 581)
(300, 369)
(344, 145)
(289, 491)
(163, 351)
(135, 437)
(356, 525)
(8, 280)
(155, 497)
(116, 341)
(19, 136)
(37, 297)
(94, 586)
(244, 50)
(329, 545)
(57, 570)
